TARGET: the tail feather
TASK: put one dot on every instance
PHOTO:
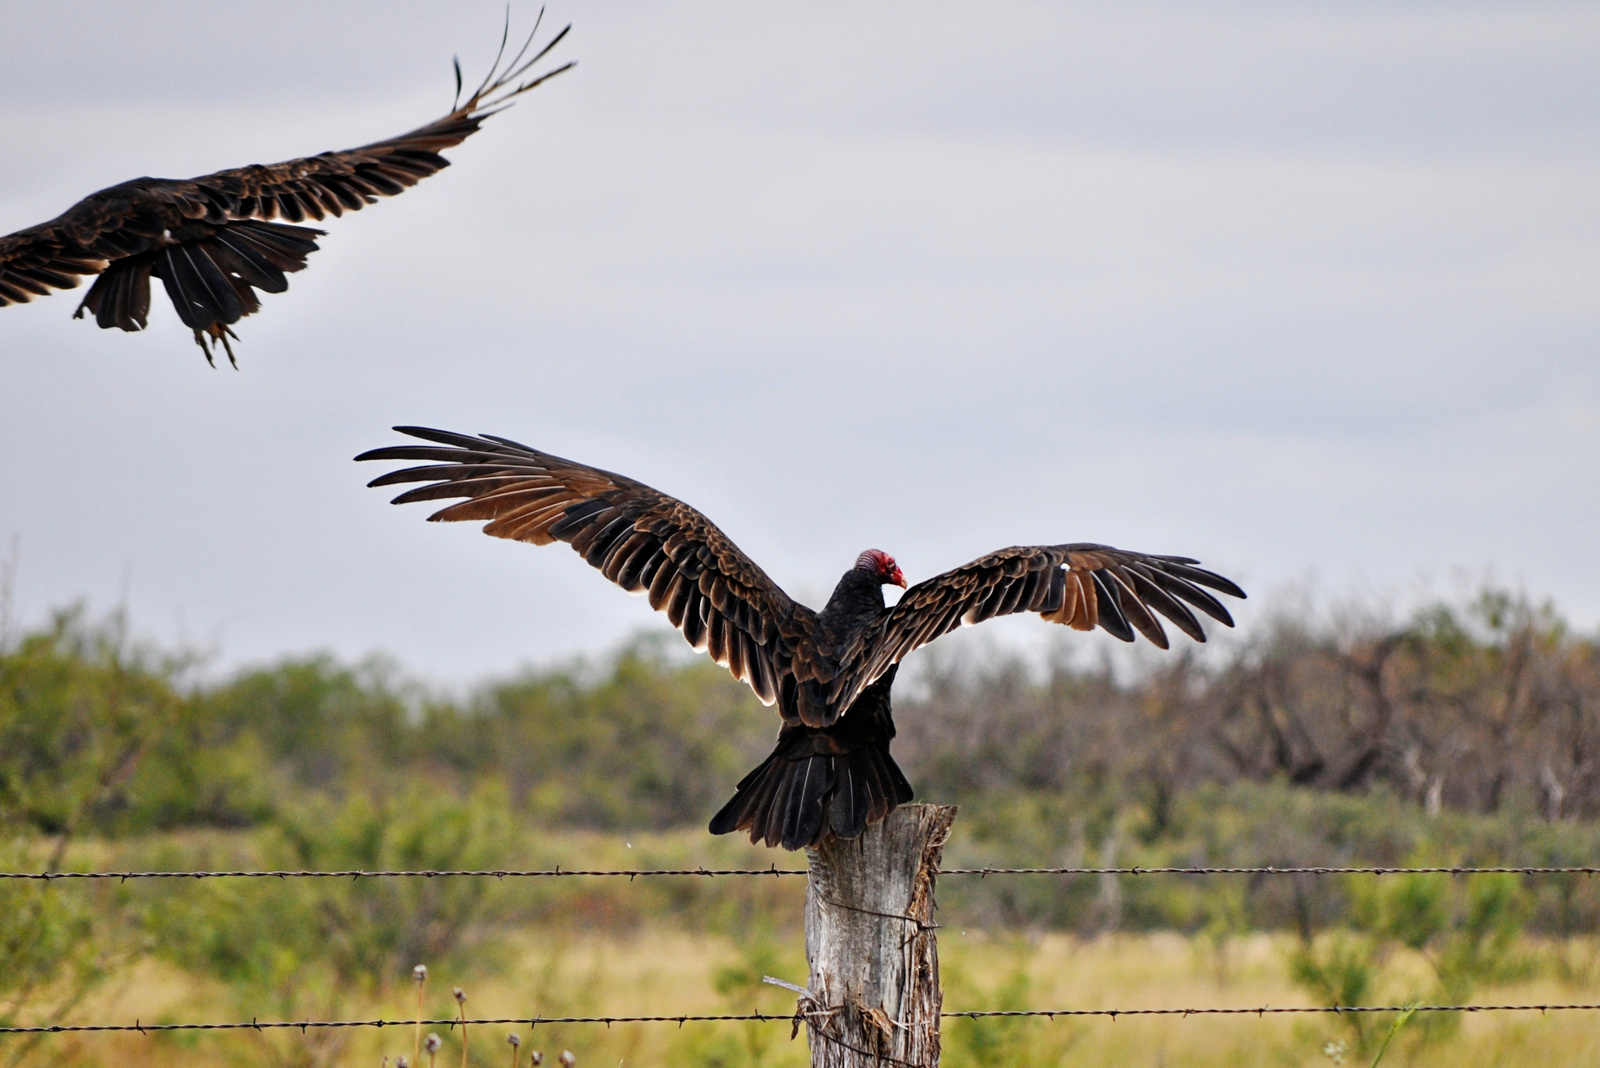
(810, 785)
(199, 290)
(807, 789)
(760, 802)
(848, 817)
(753, 795)
(899, 787)
(882, 798)
(120, 296)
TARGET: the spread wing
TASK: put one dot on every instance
(211, 239)
(335, 182)
(639, 538)
(1081, 585)
(35, 261)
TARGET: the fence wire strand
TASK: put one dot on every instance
(775, 871)
(533, 1022)
(550, 873)
(1272, 869)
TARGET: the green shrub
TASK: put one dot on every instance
(305, 943)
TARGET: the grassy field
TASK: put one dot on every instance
(589, 973)
(109, 761)
(214, 950)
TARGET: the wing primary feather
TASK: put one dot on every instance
(507, 443)
(1163, 602)
(479, 487)
(1205, 578)
(1134, 609)
(1193, 594)
(1111, 618)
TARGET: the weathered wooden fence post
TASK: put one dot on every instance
(874, 995)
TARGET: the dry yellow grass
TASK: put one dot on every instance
(672, 972)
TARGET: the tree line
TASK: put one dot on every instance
(1485, 706)
(1482, 706)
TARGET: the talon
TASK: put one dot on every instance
(200, 339)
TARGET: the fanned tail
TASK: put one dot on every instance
(211, 280)
(816, 783)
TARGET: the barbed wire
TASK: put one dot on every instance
(1273, 869)
(536, 1021)
(497, 873)
(1268, 1010)
(637, 873)
(450, 1021)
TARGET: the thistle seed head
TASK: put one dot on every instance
(461, 996)
(431, 1043)
(567, 1059)
(401, 1062)
(536, 1058)
(515, 1039)
(420, 973)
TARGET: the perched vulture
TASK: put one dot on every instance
(828, 672)
(211, 240)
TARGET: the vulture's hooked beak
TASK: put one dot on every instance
(898, 578)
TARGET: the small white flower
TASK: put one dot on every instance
(420, 973)
(515, 1039)
(431, 1043)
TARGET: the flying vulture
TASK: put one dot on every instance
(828, 672)
(211, 240)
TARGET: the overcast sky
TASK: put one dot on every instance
(1306, 290)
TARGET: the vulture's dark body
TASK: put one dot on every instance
(828, 673)
(834, 779)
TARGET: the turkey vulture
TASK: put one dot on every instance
(828, 672)
(211, 240)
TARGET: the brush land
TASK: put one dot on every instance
(1465, 735)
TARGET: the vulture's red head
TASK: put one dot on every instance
(882, 565)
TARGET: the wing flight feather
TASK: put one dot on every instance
(639, 538)
(1082, 586)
